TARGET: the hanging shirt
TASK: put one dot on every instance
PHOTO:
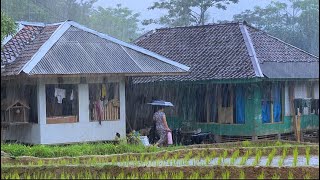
(71, 96)
(59, 94)
(103, 90)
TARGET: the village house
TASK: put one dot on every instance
(243, 83)
(65, 83)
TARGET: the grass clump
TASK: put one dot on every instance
(80, 149)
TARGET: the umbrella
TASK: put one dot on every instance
(160, 103)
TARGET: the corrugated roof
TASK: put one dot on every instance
(227, 51)
(80, 52)
(74, 49)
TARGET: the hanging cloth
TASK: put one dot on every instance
(276, 103)
(71, 95)
(60, 94)
(103, 90)
(240, 105)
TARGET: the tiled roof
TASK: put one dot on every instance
(69, 48)
(278, 59)
(19, 49)
(212, 51)
(220, 51)
(13, 48)
(271, 49)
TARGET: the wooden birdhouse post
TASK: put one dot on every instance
(16, 112)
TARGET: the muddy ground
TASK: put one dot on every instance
(114, 171)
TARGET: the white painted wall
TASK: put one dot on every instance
(26, 133)
(85, 130)
(82, 131)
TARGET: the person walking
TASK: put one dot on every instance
(162, 128)
(159, 118)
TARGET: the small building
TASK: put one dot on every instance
(243, 83)
(72, 81)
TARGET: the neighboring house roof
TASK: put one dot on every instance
(70, 48)
(279, 59)
(227, 51)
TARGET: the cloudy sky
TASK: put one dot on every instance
(141, 6)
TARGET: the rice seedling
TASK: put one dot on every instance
(257, 158)
(276, 176)
(208, 160)
(295, 157)
(278, 143)
(219, 160)
(245, 158)
(234, 156)
(246, 143)
(308, 155)
(120, 176)
(270, 156)
(307, 176)
(213, 154)
(225, 154)
(283, 156)
(261, 176)
(290, 175)
(226, 175)
(194, 175)
(242, 175)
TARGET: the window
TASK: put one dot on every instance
(271, 103)
(62, 103)
(104, 101)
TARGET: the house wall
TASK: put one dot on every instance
(316, 90)
(25, 133)
(300, 90)
(82, 131)
(253, 118)
(308, 122)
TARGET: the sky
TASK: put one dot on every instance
(140, 6)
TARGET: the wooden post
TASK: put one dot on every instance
(298, 127)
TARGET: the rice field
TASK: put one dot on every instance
(253, 160)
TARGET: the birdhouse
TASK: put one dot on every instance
(15, 112)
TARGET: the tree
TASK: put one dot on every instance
(8, 26)
(119, 22)
(296, 23)
(48, 11)
(185, 13)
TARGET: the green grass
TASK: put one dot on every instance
(79, 149)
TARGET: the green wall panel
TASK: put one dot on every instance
(253, 124)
